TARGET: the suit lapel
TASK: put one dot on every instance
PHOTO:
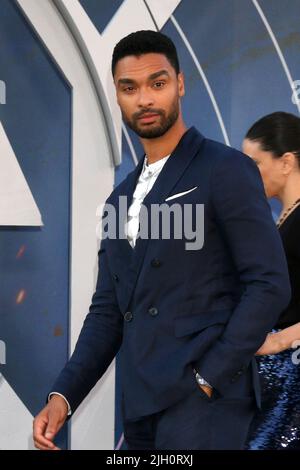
(174, 167)
(124, 250)
(131, 182)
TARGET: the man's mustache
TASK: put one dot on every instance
(143, 112)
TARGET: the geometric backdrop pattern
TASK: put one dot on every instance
(34, 261)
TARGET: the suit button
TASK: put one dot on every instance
(153, 311)
(116, 277)
(155, 263)
(128, 316)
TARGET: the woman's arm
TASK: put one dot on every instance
(277, 342)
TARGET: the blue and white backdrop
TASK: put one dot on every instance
(63, 148)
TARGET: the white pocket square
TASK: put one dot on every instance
(181, 194)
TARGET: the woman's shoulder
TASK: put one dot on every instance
(290, 232)
(296, 215)
(293, 219)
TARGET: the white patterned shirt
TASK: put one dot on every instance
(145, 182)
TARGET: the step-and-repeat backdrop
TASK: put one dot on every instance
(63, 148)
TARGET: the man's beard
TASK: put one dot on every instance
(152, 131)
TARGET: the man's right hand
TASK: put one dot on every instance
(48, 422)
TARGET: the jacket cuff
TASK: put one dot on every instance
(223, 365)
(62, 396)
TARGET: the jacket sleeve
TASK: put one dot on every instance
(98, 343)
(245, 220)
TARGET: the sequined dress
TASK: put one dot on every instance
(277, 425)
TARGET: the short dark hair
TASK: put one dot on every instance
(145, 42)
(277, 133)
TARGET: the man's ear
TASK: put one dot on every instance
(181, 89)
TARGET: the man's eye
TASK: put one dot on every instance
(159, 84)
(128, 89)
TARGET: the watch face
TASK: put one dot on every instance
(202, 381)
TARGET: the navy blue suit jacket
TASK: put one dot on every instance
(168, 309)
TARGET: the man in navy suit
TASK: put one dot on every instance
(187, 316)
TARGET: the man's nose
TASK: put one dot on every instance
(145, 98)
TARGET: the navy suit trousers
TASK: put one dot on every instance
(196, 422)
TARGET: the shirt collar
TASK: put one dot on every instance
(152, 168)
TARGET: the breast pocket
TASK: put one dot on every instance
(181, 193)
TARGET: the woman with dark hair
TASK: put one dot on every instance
(273, 143)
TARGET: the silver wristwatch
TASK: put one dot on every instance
(200, 380)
